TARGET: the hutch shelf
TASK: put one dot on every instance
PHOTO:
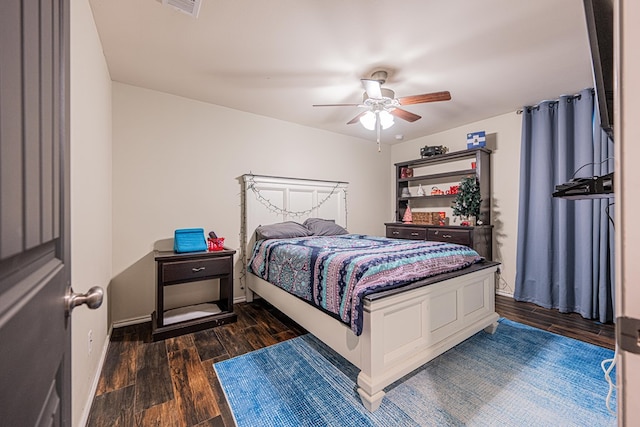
(428, 173)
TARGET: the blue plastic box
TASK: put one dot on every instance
(189, 240)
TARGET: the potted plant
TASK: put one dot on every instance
(467, 202)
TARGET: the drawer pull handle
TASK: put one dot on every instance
(446, 236)
(195, 270)
(414, 234)
(395, 232)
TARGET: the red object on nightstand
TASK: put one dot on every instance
(216, 244)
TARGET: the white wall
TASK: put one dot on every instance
(503, 138)
(90, 198)
(177, 163)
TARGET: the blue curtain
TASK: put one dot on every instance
(565, 247)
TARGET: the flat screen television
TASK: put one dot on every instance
(599, 16)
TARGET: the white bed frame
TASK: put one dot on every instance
(401, 330)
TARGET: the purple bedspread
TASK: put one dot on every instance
(335, 273)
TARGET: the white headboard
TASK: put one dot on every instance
(269, 200)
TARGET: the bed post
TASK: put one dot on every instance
(369, 384)
(372, 403)
(491, 329)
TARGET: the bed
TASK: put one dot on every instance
(401, 328)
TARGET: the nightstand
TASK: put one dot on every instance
(175, 269)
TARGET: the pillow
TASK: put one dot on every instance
(281, 230)
(324, 227)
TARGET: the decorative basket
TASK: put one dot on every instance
(216, 244)
(430, 218)
(426, 218)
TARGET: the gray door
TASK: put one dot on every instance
(35, 368)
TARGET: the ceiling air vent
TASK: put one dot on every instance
(190, 7)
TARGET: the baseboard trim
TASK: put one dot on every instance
(96, 379)
(504, 293)
(132, 321)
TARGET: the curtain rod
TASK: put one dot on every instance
(551, 101)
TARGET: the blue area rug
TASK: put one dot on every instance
(518, 376)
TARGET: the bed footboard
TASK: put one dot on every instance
(401, 332)
(407, 330)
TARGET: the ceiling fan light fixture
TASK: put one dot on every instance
(386, 119)
(382, 107)
(368, 120)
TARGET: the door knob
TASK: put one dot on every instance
(93, 298)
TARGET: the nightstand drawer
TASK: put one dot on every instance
(194, 269)
(461, 237)
(406, 233)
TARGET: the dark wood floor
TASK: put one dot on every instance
(173, 383)
(568, 324)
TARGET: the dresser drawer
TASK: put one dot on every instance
(461, 237)
(406, 233)
(194, 269)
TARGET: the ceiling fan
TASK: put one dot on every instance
(382, 106)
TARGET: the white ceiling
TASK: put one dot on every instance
(276, 58)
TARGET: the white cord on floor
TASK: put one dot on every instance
(607, 376)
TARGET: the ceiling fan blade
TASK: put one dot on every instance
(335, 105)
(372, 87)
(356, 118)
(427, 97)
(405, 115)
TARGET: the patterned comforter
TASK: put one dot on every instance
(335, 273)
